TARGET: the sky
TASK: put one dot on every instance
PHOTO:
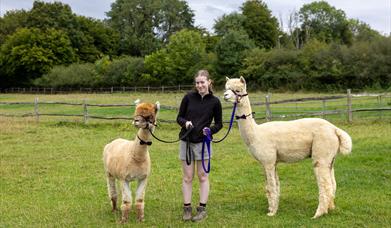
(376, 13)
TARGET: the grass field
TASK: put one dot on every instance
(52, 176)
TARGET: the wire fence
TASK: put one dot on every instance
(344, 106)
(119, 89)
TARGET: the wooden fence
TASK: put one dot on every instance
(346, 108)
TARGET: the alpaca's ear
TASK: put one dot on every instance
(226, 78)
(136, 102)
(157, 106)
(242, 80)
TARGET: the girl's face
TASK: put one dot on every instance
(202, 85)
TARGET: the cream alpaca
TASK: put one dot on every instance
(129, 160)
(290, 141)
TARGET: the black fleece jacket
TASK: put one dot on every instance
(200, 111)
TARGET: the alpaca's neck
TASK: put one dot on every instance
(244, 107)
(140, 151)
(246, 126)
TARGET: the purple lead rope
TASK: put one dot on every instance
(208, 139)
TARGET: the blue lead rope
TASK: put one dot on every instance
(208, 139)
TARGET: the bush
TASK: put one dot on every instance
(275, 69)
(321, 67)
(125, 71)
(74, 75)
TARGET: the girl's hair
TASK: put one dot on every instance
(205, 73)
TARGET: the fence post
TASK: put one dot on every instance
(350, 114)
(379, 101)
(162, 89)
(36, 109)
(268, 111)
(324, 108)
(85, 114)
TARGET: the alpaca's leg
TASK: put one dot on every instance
(126, 201)
(323, 177)
(272, 189)
(140, 193)
(334, 185)
(278, 186)
(112, 190)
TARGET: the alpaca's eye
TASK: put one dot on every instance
(237, 91)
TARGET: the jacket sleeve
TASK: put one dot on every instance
(182, 112)
(218, 118)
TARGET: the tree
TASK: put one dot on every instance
(324, 23)
(260, 25)
(29, 53)
(362, 31)
(10, 22)
(90, 38)
(51, 15)
(230, 53)
(144, 25)
(228, 22)
(180, 60)
(93, 39)
(210, 39)
(174, 16)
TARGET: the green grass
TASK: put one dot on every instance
(52, 176)
(52, 172)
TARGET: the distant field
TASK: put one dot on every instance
(52, 173)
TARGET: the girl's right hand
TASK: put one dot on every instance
(188, 124)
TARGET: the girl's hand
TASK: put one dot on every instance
(206, 131)
(189, 124)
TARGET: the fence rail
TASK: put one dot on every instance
(269, 106)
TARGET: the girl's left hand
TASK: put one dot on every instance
(206, 131)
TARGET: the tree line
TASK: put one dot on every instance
(155, 42)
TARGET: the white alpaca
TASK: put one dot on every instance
(129, 160)
(290, 141)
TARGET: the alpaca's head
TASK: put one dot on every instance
(235, 89)
(145, 115)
